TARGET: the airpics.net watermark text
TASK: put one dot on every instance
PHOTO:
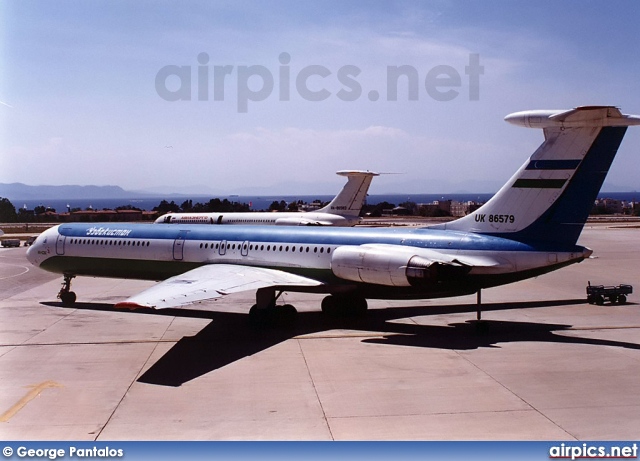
(257, 83)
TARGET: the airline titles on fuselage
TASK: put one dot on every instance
(107, 231)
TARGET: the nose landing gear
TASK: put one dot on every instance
(65, 294)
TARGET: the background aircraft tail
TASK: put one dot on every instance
(352, 196)
(548, 200)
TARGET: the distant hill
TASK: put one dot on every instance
(19, 191)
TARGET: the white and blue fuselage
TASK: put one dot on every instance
(157, 252)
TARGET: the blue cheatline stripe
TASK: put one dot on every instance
(539, 183)
(553, 164)
(419, 237)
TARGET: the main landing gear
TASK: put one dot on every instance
(65, 294)
(266, 311)
(347, 305)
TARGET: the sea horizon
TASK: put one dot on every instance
(262, 202)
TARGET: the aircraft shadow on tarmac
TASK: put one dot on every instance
(230, 336)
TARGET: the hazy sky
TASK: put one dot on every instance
(270, 93)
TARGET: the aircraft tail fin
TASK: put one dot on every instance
(548, 200)
(352, 196)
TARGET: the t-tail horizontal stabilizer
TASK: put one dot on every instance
(352, 196)
(549, 198)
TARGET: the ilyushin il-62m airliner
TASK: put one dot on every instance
(530, 227)
(342, 211)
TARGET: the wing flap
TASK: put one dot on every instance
(209, 282)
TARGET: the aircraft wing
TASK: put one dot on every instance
(315, 222)
(301, 221)
(209, 282)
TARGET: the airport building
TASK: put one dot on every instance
(448, 208)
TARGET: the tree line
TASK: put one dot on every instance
(8, 213)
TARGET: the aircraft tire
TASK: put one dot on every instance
(275, 315)
(344, 306)
(68, 298)
(257, 316)
(285, 314)
(358, 306)
(329, 305)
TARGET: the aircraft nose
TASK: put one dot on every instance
(38, 250)
(32, 252)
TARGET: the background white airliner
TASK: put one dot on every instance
(530, 227)
(342, 211)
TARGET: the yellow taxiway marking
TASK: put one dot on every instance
(32, 394)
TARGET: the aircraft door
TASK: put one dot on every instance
(60, 244)
(178, 245)
(223, 248)
(244, 251)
